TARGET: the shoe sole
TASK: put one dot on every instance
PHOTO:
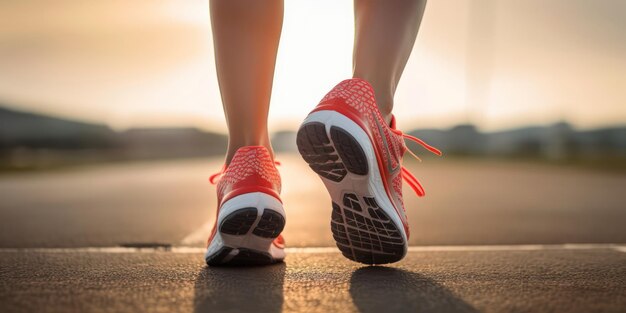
(247, 226)
(364, 222)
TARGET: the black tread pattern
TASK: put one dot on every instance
(349, 150)
(239, 222)
(270, 225)
(218, 257)
(317, 150)
(244, 257)
(365, 235)
(251, 257)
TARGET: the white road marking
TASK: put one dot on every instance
(312, 250)
(200, 235)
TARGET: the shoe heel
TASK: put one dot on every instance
(247, 226)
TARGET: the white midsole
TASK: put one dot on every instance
(353, 182)
(259, 200)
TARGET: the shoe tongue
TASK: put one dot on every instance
(392, 126)
(243, 150)
(393, 122)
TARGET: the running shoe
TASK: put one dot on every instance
(358, 156)
(250, 215)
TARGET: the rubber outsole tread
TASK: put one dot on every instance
(270, 225)
(316, 149)
(349, 150)
(239, 222)
(362, 230)
(243, 257)
(218, 257)
(365, 237)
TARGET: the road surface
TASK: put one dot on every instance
(489, 237)
(435, 281)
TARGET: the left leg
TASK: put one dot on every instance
(385, 34)
(246, 35)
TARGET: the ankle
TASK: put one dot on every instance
(383, 93)
(385, 106)
(385, 112)
(234, 145)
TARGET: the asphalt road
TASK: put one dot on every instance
(463, 281)
(59, 231)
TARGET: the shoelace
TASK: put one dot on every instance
(215, 177)
(407, 175)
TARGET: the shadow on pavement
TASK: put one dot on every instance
(237, 289)
(385, 289)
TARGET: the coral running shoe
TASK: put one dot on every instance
(346, 141)
(250, 215)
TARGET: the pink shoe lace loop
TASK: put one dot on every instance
(413, 182)
(423, 144)
(214, 178)
(407, 175)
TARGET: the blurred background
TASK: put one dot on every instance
(111, 120)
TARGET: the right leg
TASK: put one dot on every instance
(246, 35)
(351, 142)
(384, 37)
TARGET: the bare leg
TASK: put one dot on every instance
(246, 35)
(385, 34)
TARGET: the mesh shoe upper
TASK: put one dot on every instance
(252, 169)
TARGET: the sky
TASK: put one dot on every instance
(142, 63)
